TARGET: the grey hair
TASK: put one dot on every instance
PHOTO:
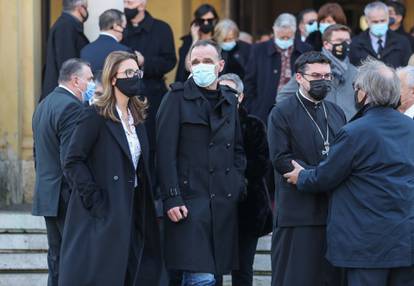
(285, 20)
(409, 72)
(233, 78)
(377, 5)
(380, 82)
(70, 68)
(70, 5)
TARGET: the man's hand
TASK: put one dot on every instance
(195, 32)
(292, 177)
(140, 58)
(178, 213)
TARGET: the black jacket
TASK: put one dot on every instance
(97, 241)
(410, 38)
(182, 73)
(236, 59)
(263, 74)
(53, 123)
(154, 39)
(201, 163)
(65, 41)
(96, 52)
(315, 40)
(396, 53)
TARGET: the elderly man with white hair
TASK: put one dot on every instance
(406, 75)
(369, 175)
(379, 41)
(271, 65)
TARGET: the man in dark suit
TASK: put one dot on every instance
(378, 41)
(271, 65)
(53, 124)
(397, 13)
(112, 23)
(65, 41)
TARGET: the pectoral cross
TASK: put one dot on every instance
(325, 151)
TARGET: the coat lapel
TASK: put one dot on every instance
(389, 44)
(118, 133)
(192, 93)
(222, 111)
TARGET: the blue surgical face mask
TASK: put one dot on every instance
(310, 28)
(228, 46)
(284, 44)
(323, 27)
(379, 29)
(89, 92)
(204, 74)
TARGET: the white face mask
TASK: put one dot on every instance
(204, 74)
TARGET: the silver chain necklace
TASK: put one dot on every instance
(325, 151)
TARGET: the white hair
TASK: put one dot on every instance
(377, 5)
(285, 21)
(235, 79)
(408, 71)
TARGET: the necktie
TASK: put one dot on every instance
(380, 48)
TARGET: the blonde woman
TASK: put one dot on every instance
(234, 52)
(111, 236)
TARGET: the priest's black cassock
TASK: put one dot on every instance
(297, 130)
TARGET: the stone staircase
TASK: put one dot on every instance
(23, 251)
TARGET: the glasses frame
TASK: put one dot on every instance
(138, 72)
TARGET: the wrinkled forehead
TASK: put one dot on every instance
(202, 53)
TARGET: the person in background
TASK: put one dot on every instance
(65, 41)
(302, 128)
(406, 76)
(246, 37)
(369, 178)
(54, 121)
(255, 213)
(112, 23)
(264, 36)
(271, 65)
(307, 24)
(111, 234)
(397, 12)
(336, 41)
(202, 28)
(379, 41)
(328, 14)
(235, 53)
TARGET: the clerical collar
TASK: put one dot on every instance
(410, 111)
(313, 101)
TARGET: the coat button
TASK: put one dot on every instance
(211, 144)
(229, 195)
(227, 170)
(275, 71)
(211, 170)
(228, 145)
(185, 182)
(116, 178)
(212, 196)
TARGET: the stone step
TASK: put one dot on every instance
(257, 281)
(25, 262)
(23, 279)
(21, 222)
(262, 263)
(23, 241)
(264, 243)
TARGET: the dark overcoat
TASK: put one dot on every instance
(370, 170)
(201, 164)
(97, 241)
(65, 41)
(396, 52)
(236, 59)
(263, 75)
(182, 73)
(53, 123)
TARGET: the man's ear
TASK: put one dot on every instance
(221, 64)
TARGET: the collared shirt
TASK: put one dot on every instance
(109, 35)
(67, 89)
(410, 111)
(374, 41)
(286, 69)
(132, 138)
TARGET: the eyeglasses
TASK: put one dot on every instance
(130, 73)
(318, 76)
(208, 20)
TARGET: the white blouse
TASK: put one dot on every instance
(132, 138)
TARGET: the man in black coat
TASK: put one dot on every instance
(53, 123)
(112, 24)
(397, 13)
(271, 65)
(153, 41)
(378, 41)
(200, 164)
(65, 41)
(302, 127)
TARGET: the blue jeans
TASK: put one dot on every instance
(198, 279)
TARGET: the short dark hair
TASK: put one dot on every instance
(70, 5)
(302, 14)
(333, 28)
(399, 7)
(312, 57)
(205, 43)
(109, 18)
(204, 9)
(71, 67)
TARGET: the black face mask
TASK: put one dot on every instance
(319, 88)
(340, 51)
(131, 87)
(205, 28)
(130, 13)
(391, 21)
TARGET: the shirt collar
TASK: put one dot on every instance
(145, 24)
(130, 118)
(67, 89)
(410, 111)
(375, 39)
(109, 35)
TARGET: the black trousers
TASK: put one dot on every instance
(403, 276)
(54, 228)
(247, 250)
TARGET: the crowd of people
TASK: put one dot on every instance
(306, 133)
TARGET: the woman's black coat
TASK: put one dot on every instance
(101, 211)
(236, 59)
